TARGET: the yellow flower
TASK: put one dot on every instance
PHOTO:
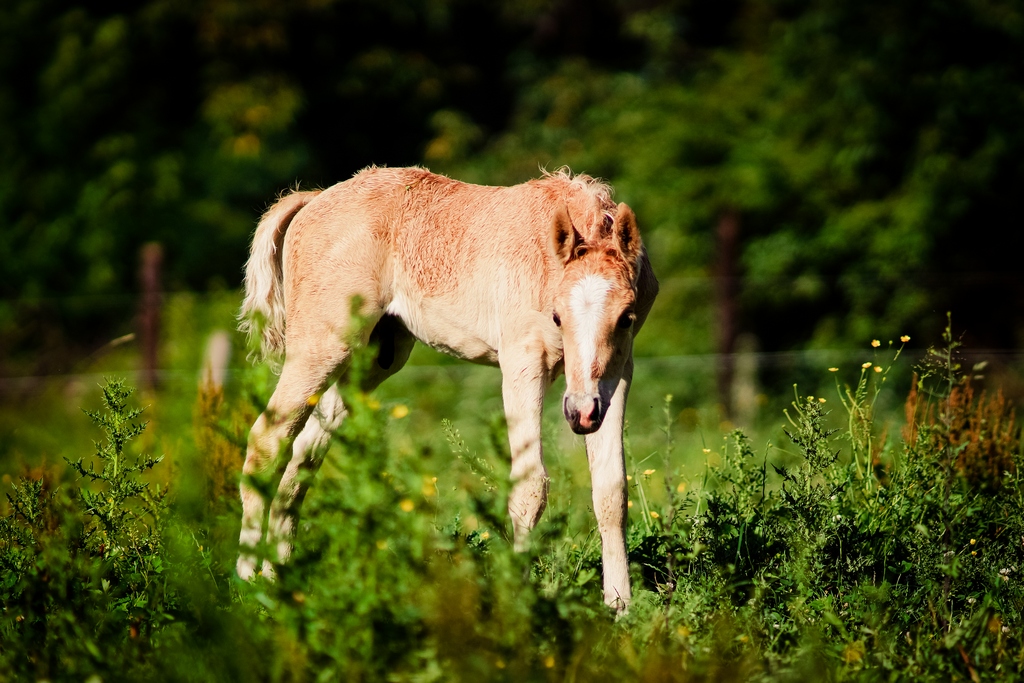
(905, 338)
(629, 477)
(500, 664)
(974, 553)
(681, 487)
(833, 369)
(973, 541)
(549, 662)
(707, 450)
(372, 404)
(654, 514)
(399, 411)
(429, 486)
(821, 399)
(629, 504)
(313, 400)
(878, 368)
(382, 544)
(876, 343)
(406, 505)
(865, 366)
(648, 473)
(485, 535)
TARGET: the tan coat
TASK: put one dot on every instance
(541, 278)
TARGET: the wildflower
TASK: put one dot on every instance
(837, 518)
(973, 541)
(1006, 629)
(654, 515)
(971, 601)
(648, 473)
(708, 450)
(406, 505)
(382, 544)
(500, 664)
(833, 369)
(876, 343)
(681, 487)
(313, 400)
(821, 399)
(399, 411)
(629, 477)
(549, 662)
(878, 368)
(629, 504)
(485, 535)
(865, 366)
(974, 553)
(905, 338)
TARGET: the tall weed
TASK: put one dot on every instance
(846, 554)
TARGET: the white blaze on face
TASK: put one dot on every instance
(586, 301)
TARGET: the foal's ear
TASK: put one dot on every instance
(626, 234)
(564, 237)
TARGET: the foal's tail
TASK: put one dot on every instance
(262, 311)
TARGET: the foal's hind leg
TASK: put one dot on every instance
(303, 376)
(394, 344)
(307, 455)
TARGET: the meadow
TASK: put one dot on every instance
(809, 176)
(873, 530)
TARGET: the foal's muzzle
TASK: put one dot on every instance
(584, 412)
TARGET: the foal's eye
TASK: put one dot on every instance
(558, 321)
(626, 320)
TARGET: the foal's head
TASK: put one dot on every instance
(595, 309)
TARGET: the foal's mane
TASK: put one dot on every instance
(587, 199)
(581, 183)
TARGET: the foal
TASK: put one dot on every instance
(539, 279)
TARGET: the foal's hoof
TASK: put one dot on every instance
(246, 567)
(618, 605)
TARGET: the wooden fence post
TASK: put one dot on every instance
(727, 241)
(151, 259)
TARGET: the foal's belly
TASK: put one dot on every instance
(446, 328)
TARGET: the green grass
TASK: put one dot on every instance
(842, 548)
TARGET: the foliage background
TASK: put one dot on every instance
(871, 150)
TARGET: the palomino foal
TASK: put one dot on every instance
(541, 278)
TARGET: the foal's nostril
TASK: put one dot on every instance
(596, 410)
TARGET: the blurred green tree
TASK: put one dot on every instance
(870, 152)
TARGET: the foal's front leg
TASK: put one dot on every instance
(608, 481)
(523, 383)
